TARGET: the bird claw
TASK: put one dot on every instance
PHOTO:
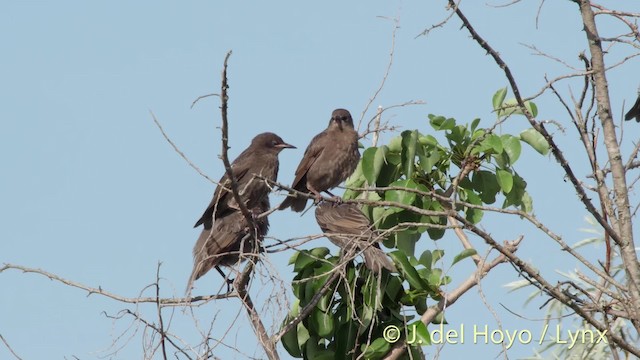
(229, 284)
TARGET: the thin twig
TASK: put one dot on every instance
(100, 291)
(159, 309)
(182, 155)
(450, 298)
(9, 347)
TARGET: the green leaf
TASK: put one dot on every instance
(426, 259)
(495, 142)
(517, 195)
(437, 255)
(505, 180)
(428, 162)
(293, 258)
(315, 351)
(401, 196)
(441, 123)
(321, 323)
(435, 277)
(406, 241)
(535, 140)
(408, 272)
(303, 260)
(372, 162)
(422, 336)
(290, 338)
(463, 254)
(486, 183)
(472, 214)
(439, 319)
(345, 339)
(498, 98)
(435, 233)
(474, 124)
(320, 252)
(527, 202)
(393, 288)
(428, 140)
(367, 165)
(356, 180)
(409, 144)
(532, 107)
(512, 147)
(395, 145)
(376, 350)
(509, 107)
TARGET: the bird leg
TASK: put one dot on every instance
(337, 199)
(316, 193)
(226, 278)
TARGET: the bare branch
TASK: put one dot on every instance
(450, 298)
(386, 73)
(182, 155)
(159, 309)
(100, 291)
(9, 347)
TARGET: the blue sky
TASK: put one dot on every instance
(92, 192)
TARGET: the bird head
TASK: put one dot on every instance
(270, 141)
(341, 118)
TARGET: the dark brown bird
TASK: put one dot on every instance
(228, 241)
(261, 158)
(347, 227)
(634, 112)
(329, 159)
(224, 224)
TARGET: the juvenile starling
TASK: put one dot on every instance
(347, 227)
(329, 159)
(634, 112)
(227, 242)
(261, 157)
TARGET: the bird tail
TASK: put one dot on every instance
(194, 276)
(375, 259)
(296, 203)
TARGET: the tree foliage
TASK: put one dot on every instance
(476, 163)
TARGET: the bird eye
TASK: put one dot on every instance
(274, 143)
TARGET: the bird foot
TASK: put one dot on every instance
(337, 200)
(229, 285)
(226, 279)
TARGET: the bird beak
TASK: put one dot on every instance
(285, 146)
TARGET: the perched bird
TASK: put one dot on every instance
(228, 241)
(634, 112)
(347, 227)
(260, 158)
(225, 227)
(329, 159)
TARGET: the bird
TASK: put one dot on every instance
(225, 226)
(634, 112)
(228, 242)
(348, 228)
(260, 158)
(329, 159)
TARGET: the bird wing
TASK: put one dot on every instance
(222, 197)
(343, 219)
(311, 154)
(347, 226)
(634, 112)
